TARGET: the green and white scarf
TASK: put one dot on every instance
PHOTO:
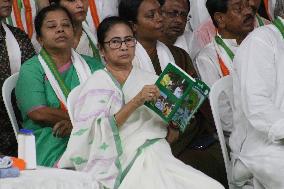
(57, 83)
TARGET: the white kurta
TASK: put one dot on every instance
(209, 70)
(257, 138)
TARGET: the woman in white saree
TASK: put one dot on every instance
(153, 56)
(115, 137)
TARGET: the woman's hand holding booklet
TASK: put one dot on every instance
(180, 96)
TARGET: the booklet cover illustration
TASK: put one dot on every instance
(180, 96)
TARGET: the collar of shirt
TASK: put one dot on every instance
(231, 43)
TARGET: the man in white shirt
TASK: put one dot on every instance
(206, 31)
(234, 20)
(258, 80)
(175, 14)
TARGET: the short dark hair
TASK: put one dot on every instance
(162, 2)
(107, 24)
(128, 9)
(54, 2)
(42, 14)
(214, 6)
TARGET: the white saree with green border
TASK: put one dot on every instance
(135, 155)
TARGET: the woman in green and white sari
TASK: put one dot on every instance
(115, 138)
(46, 80)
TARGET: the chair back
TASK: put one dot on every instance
(7, 88)
(221, 86)
(72, 97)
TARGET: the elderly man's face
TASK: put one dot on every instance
(5, 8)
(175, 17)
(238, 19)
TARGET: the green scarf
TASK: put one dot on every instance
(52, 66)
(220, 42)
(278, 23)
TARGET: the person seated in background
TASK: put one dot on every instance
(99, 10)
(15, 48)
(257, 138)
(23, 15)
(206, 31)
(175, 14)
(234, 20)
(153, 56)
(45, 81)
(85, 42)
(118, 140)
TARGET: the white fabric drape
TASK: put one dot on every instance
(47, 178)
(84, 46)
(208, 66)
(198, 12)
(104, 9)
(207, 60)
(96, 139)
(142, 59)
(14, 51)
(82, 69)
(184, 41)
(257, 138)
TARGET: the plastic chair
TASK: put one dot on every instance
(222, 85)
(72, 97)
(7, 88)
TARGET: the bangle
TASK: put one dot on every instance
(114, 119)
(173, 126)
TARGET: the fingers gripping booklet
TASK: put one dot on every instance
(180, 96)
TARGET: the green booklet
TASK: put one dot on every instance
(180, 96)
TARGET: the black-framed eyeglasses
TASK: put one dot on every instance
(175, 14)
(116, 42)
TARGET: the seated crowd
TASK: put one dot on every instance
(113, 51)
